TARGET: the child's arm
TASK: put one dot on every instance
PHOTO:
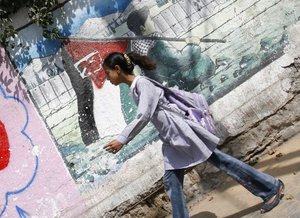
(148, 99)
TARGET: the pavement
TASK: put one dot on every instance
(231, 200)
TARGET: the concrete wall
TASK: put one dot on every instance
(250, 81)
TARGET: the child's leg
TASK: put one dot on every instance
(258, 183)
(173, 181)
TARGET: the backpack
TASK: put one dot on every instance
(193, 104)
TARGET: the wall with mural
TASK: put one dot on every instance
(34, 180)
(71, 111)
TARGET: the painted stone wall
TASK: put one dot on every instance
(34, 179)
(231, 51)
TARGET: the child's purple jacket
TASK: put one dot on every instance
(185, 142)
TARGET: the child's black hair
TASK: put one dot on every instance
(127, 61)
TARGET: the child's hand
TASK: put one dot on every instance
(113, 147)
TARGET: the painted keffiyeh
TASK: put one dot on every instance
(142, 46)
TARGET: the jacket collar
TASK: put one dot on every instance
(133, 84)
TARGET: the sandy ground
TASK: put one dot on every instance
(233, 201)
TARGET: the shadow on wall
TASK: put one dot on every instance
(7, 79)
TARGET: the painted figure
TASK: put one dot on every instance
(185, 142)
(186, 68)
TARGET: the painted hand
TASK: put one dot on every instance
(192, 40)
(113, 147)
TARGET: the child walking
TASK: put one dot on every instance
(185, 142)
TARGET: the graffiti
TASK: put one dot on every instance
(16, 149)
(184, 68)
(83, 112)
(91, 89)
(4, 147)
(92, 66)
(22, 213)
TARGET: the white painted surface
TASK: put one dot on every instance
(107, 110)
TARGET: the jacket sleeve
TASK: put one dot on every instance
(148, 97)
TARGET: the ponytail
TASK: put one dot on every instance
(127, 61)
(143, 61)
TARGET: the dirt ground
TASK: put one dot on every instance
(233, 201)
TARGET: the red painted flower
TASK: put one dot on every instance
(4, 147)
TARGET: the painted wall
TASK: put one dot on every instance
(74, 111)
(34, 179)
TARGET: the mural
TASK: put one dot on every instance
(4, 145)
(186, 38)
(17, 148)
(94, 95)
(31, 185)
(184, 68)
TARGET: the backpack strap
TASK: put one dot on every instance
(198, 112)
(170, 94)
